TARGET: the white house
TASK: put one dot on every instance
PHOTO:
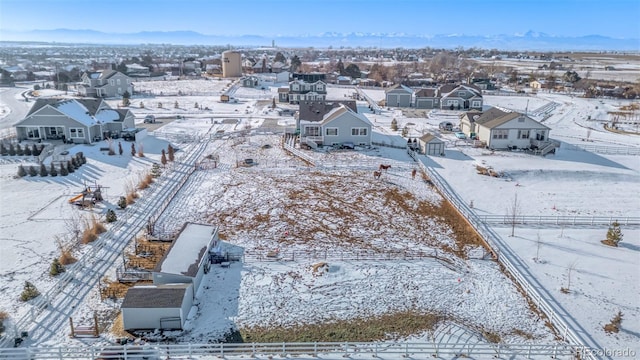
(505, 129)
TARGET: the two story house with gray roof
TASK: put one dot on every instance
(300, 91)
(333, 124)
(460, 97)
(105, 84)
(73, 120)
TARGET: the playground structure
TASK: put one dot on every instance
(88, 196)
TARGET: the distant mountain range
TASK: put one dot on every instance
(527, 41)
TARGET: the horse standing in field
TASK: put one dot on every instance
(377, 174)
(384, 167)
(413, 174)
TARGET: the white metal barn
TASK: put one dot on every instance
(157, 306)
(187, 260)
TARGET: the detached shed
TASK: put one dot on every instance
(163, 307)
(188, 257)
(431, 145)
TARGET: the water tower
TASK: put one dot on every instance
(231, 64)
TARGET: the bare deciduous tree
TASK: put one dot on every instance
(513, 211)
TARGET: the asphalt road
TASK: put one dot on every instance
(18, 107)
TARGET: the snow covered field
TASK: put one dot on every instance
(282, 205)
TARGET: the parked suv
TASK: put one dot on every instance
(149, 119)
(446, 125)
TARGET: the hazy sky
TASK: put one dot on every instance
(614, 18)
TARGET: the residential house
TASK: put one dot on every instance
(459, 97)
(333, 124)
(430, 144)
(425, 98)
(249, 81)
(105, 84)
(137, 70)
(73, 120)
(537, 84)
(300, 90)
(343, 80)
(501, 128)
(176, 279)
(398, 96)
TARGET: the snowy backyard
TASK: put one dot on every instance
(348, 247)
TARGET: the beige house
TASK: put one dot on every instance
(505, 129)
(430, 144)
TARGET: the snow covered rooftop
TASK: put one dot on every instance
(188, 249)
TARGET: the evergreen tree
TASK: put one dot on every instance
(3, 149)
(394, 124)
(19, 150)
(56, 267)
(614, 234)
(21, 171)
(52, 170)
(27, 151)
(155, 170)
(196, 105)
(63, 170)
(133, 149)
(295, 63)
(12, 150)
(29, 292)
(125, 98)
(163, 158)
(33, 171)
(70, 167)
(43, 170)
(35, 151)
(141, 105)
(175, 105)
(120, 148)
(111, 216)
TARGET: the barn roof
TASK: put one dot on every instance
(155, 296)
(187, 250)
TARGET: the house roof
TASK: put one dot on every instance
(82, 110)
(186, 252)
(428, 137)
(495, 117)
(426, 92)
(399, 87)
(316, 110)
(155, 296)
(341, 110)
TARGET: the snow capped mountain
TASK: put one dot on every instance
(531, 40)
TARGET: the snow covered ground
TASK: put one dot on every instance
(282, 205)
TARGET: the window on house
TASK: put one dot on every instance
(521, 119)
(331, 132)
(111, 82)
(462, 93)
(476, 103)
(118, 81)
(452, 102)
(77, 133)
(523, 134)
(500, 134)
(312, 131)
(359, 131)
(33, 133)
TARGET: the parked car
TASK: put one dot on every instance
(460, 135)
(149, 119)
(446, 125)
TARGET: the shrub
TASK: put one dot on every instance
(394, 124)
(70, 166)
(111, 216)
(3, 150)
(75, 162)
(29, 292)
(171, 152)
(140, 151)
(43, 170)
(56, 267)
(66, 257)
(92, 228)
(133, 149)
(163, 158)
(122, 203)
(27, 151)
(19, 150)
(35, 151)
(614, 325)
(141, 105)
(12, 150)
(33, 171)
(155, 170)
(3, 317)
(52, 170)
(21, 171)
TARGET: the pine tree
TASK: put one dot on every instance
(155, 170)
(394, 124)
(63, 170)
(29, 292)
(3, 150)
(12, 150)
(141, 105)
(21, 171)
(56, 268)
(43, 170)
(70, 167)
(19, 150)
(176, 105)
(614, 234)
(27, 151)
(111, 216)
(33, 171)
(196, 105)
(133, 149)
(120, 148)
(52, 170)
(170, 152)
(35, 151)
